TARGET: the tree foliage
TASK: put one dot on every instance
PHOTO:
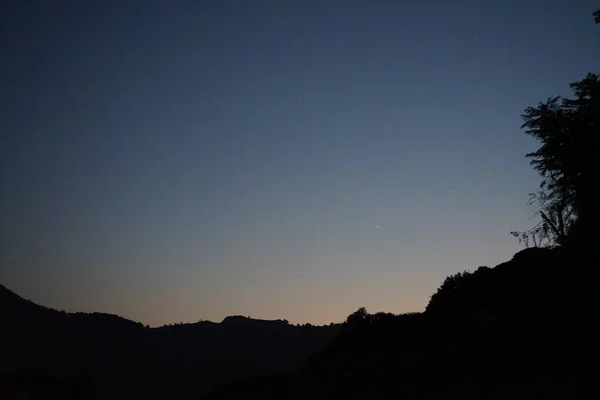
(358, 317)
(566, 128)
(456, 297)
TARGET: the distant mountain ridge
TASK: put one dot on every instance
(119, 358)
(12, 302)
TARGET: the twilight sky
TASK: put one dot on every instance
(182, 160)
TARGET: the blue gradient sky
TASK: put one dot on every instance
(182, 160)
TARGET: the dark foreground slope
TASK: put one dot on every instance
(106, 356)
(526, 328)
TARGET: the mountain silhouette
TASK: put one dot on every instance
(523, 329)
(107, 356)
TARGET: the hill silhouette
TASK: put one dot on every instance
(107, 356)
(522, 329)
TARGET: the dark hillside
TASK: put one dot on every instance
(525, 327)
(112, 357)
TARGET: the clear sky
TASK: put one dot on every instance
(182, 160)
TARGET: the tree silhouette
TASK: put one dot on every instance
(567, 195)
(358, 317)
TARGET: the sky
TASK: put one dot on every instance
(174, 161)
